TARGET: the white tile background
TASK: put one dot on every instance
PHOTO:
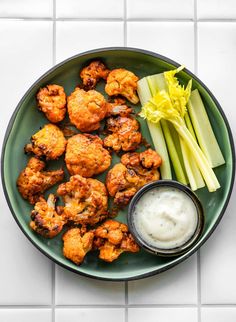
(34, 35)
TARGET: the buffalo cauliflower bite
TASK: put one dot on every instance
(122, 82)
(52, 102)
(77, 244)
(33, 181)
(86, 156)
(125, 133)
(49, 142)
(134, 171)
(92, 73)
(86, 109)
(44, 218)
(112, 238)
(118, 108)
(85, 200)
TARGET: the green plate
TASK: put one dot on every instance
(26, 120)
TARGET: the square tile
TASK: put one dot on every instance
(73, 289)
(175, 286)
(26, 8)
(218, 262)
(25, 54)
(162, 315)
(90, 314)
(218, 314)
(168, 9)
(90, 9)
(216, 67)
(26, 274)
(25, 269)
(172, 39)
(216, 9)
(216, 63)
(74, 37)
(25, 315)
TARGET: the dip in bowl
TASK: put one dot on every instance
(166, 218)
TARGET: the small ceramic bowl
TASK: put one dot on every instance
(161, 251)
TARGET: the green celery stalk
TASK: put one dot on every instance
(187, 163)
(194, 175)
(160, 107)
(176, 141)
(179, 172)
(199, 182)
(189, 125)
(158, 83)
(155, 131)
(205, 135)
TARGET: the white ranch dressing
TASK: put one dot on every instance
(165, 217)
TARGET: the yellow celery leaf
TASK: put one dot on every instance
(178, 94)
(158, 107)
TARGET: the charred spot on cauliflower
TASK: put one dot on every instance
(33, 181)
(112, 238)
(49, 142)
(86, 200)
(44, 218)
(92, 73)
(134, 171)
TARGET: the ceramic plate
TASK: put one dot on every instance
(27, 120)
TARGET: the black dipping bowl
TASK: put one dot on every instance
(160, 251)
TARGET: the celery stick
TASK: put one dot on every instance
(155, 131)
(157, 83)
(180, 175)
(203, 130)
(194, 175)
(176, 141)
(189, 125)
(195, 170)
(187, 163)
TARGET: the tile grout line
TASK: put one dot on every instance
(118, 306)
(53, 62)
(104, 19)
(126, 301)
(126, 290)
(125, 23)
(53, 290)
(54, 34)
(198, 252)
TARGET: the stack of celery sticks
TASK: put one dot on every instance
(180, 130)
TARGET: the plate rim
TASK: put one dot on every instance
(125, 49)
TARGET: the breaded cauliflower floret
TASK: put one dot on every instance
(125, 133)
(86, 109)
(49, 142)
(85, 200)
(44, 218)
(86, 156)
(92, 73)
(112, 238)
(77, 244)
(122, 82)
(134, 171)
(52, 102)
(33, 181)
